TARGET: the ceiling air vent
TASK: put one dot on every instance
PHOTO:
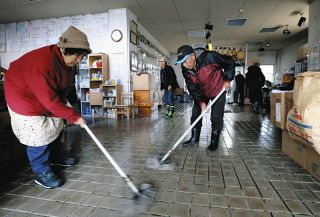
(197, 33)
(236, 22)
(198, 45)
(269, 29)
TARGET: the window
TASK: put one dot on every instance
(267, 70)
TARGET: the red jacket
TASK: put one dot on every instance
(34, 84)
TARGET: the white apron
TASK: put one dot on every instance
(35, 130)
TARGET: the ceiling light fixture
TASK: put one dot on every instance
(268, 44)
(286, 31)
(302, 20)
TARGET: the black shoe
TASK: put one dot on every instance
(48, 180)
(195, 135)
(214, 144)
(66, 162)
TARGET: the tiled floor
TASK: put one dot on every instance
(247, 176)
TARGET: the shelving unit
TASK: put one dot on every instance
(111, 97)
(98, 72)
(84, 86)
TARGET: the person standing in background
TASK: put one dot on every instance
(2, 71)
(255, 81)
(35, 94)
(240, 83)
(168, 84)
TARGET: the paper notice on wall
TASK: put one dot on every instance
(62, 24)
(278, 112)
(2, 37)
(11, 37)
(23, 34)
(77, 21)
(50, 31)
(314, 56)
(36, 34)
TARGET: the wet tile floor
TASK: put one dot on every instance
(247, 176)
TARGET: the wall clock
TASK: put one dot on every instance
(116, 35)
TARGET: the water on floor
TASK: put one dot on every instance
(247, 176)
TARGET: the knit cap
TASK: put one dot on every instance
(74, 38)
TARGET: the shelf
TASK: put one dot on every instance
(108, 107)
(110, 96)
(95, 67)
(87, 87)
(96, 80)
(85, 101)
(109, 85)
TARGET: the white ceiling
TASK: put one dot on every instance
(170, 20)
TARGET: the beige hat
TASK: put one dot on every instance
(162, 59)
(74, 38)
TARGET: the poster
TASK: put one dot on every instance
(62, 24)
(23, 36)
(11, 37)
(2, 37)
(36, 34)
(51, 35)
(314, 56)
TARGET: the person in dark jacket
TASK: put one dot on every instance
(168, 84)
(255, 81)
(205, 77)
(240, 83)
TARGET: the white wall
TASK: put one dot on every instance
(177, 69)
(98, 28)
(314, 36)
(288, 56)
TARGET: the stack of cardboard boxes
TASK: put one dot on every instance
(305, 156)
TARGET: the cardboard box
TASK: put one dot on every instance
(178, 91)
(143, 96)
(312, 164)
(96, 98)
(281, 102)
(302, 154)
(296, 151)
(143, 82)
(144, 110)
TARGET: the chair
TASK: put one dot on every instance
(126, 106)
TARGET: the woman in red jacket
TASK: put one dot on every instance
(34, 92)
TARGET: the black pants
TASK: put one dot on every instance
(237, 92)
(217, 112)
(255, 95)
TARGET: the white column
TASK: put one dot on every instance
(314, 36)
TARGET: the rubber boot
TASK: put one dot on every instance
(166, 110)
(214, 143)
(195, 135)
(170, 113)
(256, 107)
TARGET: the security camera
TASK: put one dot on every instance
(208, 26)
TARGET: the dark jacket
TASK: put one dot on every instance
(168, 77)
(212, 71)
(255, 78)
(240, 80)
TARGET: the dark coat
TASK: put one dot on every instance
(255, 78)
(212, 71)
(240, 81)
(168, 77)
